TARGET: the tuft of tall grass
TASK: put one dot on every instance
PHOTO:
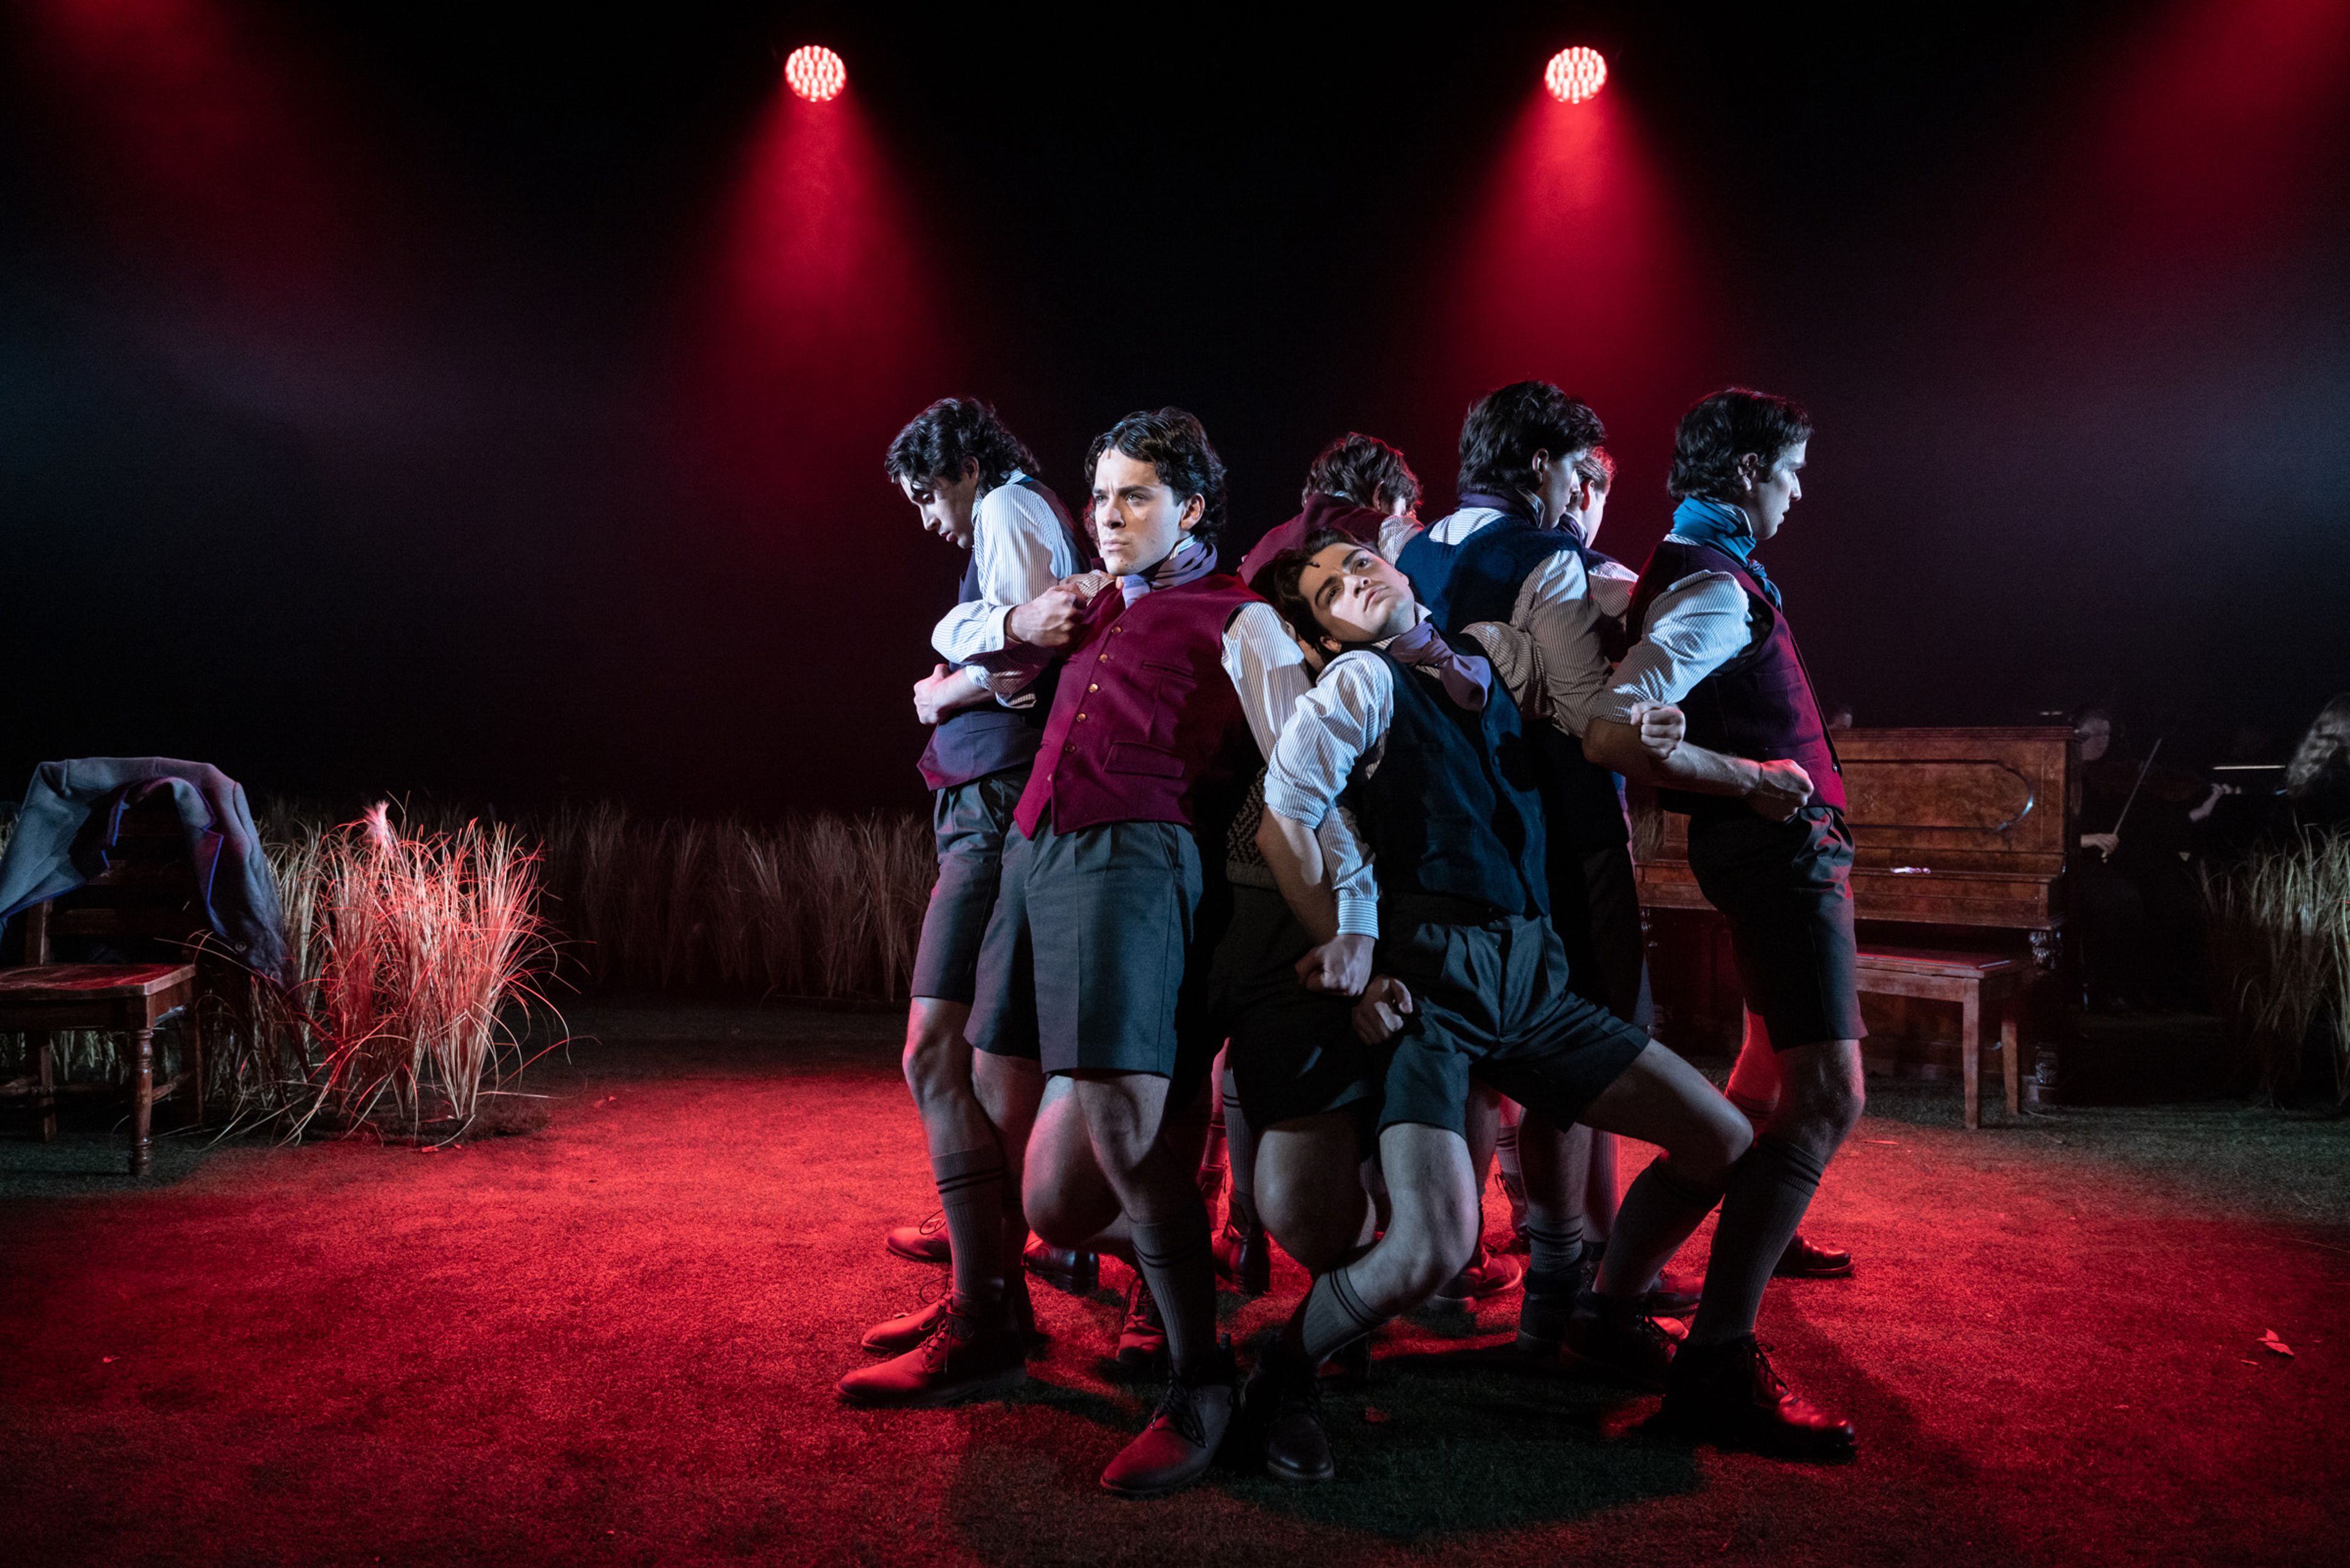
(2278, 927)
(410, 954)
(824, 906)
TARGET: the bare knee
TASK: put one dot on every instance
(1822, 1102)
(937, 1064)
(1318, 1224)
(1438, 1245)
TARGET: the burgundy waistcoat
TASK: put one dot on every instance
(1146, 726)
(1760, 705)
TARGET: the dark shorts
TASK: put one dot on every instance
(1083, 964)
(1491, 999)
(968, 821)
(1293, 1051)
(1785, 890)
(1595, 906)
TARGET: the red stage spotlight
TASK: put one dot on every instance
(1576, 74)
(817, 74)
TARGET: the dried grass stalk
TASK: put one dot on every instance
(2279, 933)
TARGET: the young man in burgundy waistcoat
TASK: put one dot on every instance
(1094, 964)
(1756, 775)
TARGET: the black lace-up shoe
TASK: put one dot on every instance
(923, 1243)
(1727, 1395)
(1180, 1442)
(1076, 1272)
(1244, 1258)
(1281, 1408)
(1805, 1260)
(962, 1359)
(899, 1334)
(1620, 1340)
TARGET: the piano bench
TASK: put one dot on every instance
(1975, 981)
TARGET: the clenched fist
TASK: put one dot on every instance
(1053, 619)
(1379, 1015)
(1661, 728)
(1781, 790)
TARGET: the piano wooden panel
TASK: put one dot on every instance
(1961, 830)
(1960, 827)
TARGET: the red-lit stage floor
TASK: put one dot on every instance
(615, 1341)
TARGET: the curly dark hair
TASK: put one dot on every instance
(1597, 468)
(939, 440)
(1508, 425)
(1720, 429)
(1175, 444)
(1364, 470)
(1277, 583)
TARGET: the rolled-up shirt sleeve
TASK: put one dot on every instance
(1694, 628)
(1555, 608)
(1335, 728)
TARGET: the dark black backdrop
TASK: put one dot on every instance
(401, 492)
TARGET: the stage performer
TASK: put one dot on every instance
(974, 483)
(1470, 978)
(1511, 553)
(1757, 776)
(1095, 959)
(1361, 486)
(1357, 484)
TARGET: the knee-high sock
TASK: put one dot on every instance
(1660, 1209)
(1770, 1189)
(1332, 1315)
(1554, 1251)
(1599, 1191)
(1513, 1174)
(970, 1191)
(1173, 1257)
(1240, 1141)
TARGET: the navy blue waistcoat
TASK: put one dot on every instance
(1452, 807)
(991, 738)
(1479, 580)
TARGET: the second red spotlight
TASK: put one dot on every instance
(1576, 74)
(816, 73)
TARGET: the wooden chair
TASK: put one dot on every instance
(1976, 981)
(146, 893)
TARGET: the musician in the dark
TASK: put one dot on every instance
(1758, 778)
(2137, 909)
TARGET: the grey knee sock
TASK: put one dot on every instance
(1240, 1142)
(1513, 1174)
(1769, 1191)
(1554, 1251)
(970, 1191)
(1173, 1257)
(1330, 1316)
(1660, 1209)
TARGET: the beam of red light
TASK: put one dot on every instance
(1577, 269)
(817, 317)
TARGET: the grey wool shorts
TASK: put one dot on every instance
(968, 821)
(1491, 999)
(1086, 959)
(1785, 889)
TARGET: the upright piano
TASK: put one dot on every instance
(1960, 838)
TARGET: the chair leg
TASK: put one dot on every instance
(142, 1102)
(2012, 1050)
(192, 1033)
(45, 1093)
(1970, 1052)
